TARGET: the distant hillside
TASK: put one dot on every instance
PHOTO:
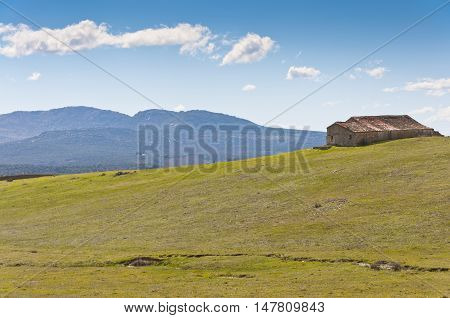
(361, 222)
(5, 139)
(97, 149)
(77, 139)
(102, 147)
(191, 117)
(20, 125)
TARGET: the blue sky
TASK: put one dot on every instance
(250, 59)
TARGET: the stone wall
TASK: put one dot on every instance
(339, 136)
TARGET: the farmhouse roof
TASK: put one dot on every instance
(380, 123)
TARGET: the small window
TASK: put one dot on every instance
(331, 138)
(349, 136)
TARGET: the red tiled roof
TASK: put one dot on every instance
(381, 123)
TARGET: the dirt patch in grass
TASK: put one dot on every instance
(236, 276)
(378, 265)
(142, 261)
(329, 205)
(120, 173)
(202, 255)
(25, 176)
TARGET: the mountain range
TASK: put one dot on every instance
(81, 139)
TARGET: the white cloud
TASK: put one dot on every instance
(441, 114)
(21, 40)
(432, 87)
(34, 76)
(444, 113)
(376, 62)
(179, 108)
(422, 110)
(4, 28)
(215, 57)
(391, 89)
(377, 72)
(437, 93)
(302, 71)
(331, 103)
(436, 114)
(248, 49)
(249, 88)
(352, 77)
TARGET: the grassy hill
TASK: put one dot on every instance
(287, 233)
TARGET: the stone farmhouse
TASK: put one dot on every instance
(364, 130)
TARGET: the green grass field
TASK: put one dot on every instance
(231, 233)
